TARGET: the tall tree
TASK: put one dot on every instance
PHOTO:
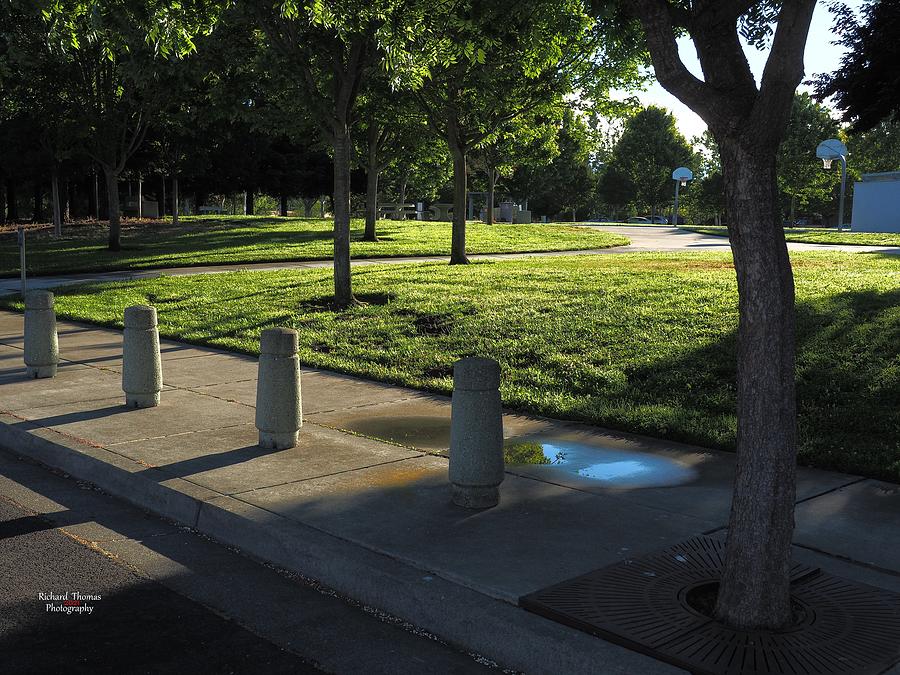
(503, 60)
(332, 49)
(111, 46)
(867, 85)
(748, 122)
(800, 174)
(650, 148)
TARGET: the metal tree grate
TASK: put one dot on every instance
(846, 628)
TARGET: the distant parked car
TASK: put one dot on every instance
(659, 220)
(639, 220)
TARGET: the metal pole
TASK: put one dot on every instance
(843, 190)
(20, 232)
(675, 210)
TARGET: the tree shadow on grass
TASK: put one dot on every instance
(848, 388)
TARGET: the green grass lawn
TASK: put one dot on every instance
(817, 235)
(215, 240)
(637, 342)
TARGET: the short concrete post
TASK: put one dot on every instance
(141, 364)
(476, 434)
(278, 403)
(41, 342)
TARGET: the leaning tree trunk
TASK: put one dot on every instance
(56, 206)
(492, 182)
(343, 290)
(755, 587)
(112, 200)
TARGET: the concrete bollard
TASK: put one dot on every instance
(141, 364)
(279, 413)
(476, 434)
(41, 341)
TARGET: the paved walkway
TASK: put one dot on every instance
(643, 239)
(373, 519)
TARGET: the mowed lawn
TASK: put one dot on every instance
(637, 342)
(216, 240)
(816, 235)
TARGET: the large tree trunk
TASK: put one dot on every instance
(492, 182)
(283, 206)
(755, 589)
(249, 202)
(56, 206)
(112, 200)
(343, 290)
(458, 153)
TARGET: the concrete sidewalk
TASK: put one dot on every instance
(373, 519)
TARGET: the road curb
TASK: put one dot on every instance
(461, 616)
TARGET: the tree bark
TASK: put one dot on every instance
(2, 204)
(162, 197)
(56, 206)
(492, 181)
(283, 206)
(755, 586)
(458, 153)
(94, 196)
(112, 200)
(175, 198)
(343, 290)
(404, 180)
(371, 199)
(793, 211)
(37, 212)
(249, 202)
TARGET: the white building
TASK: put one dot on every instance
(876, 203)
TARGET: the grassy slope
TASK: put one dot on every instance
(237, 239)
(638, 342)
(819, 236)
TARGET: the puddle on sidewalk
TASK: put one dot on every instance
(418, 431)
(606, 466)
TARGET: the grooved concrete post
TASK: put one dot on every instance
(278, 404)
(476, 434)
(141, 364)
(41, 342)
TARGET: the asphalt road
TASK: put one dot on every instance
(171, 601)
(137, 625)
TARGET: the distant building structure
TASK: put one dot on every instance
(876, 203)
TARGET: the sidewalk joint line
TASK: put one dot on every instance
(849, 560)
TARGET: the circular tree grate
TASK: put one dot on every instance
(845, 628)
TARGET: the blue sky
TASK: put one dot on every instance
(821, 56)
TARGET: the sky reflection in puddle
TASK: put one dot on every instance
(615, 468)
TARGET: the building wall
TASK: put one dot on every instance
(876, 203)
